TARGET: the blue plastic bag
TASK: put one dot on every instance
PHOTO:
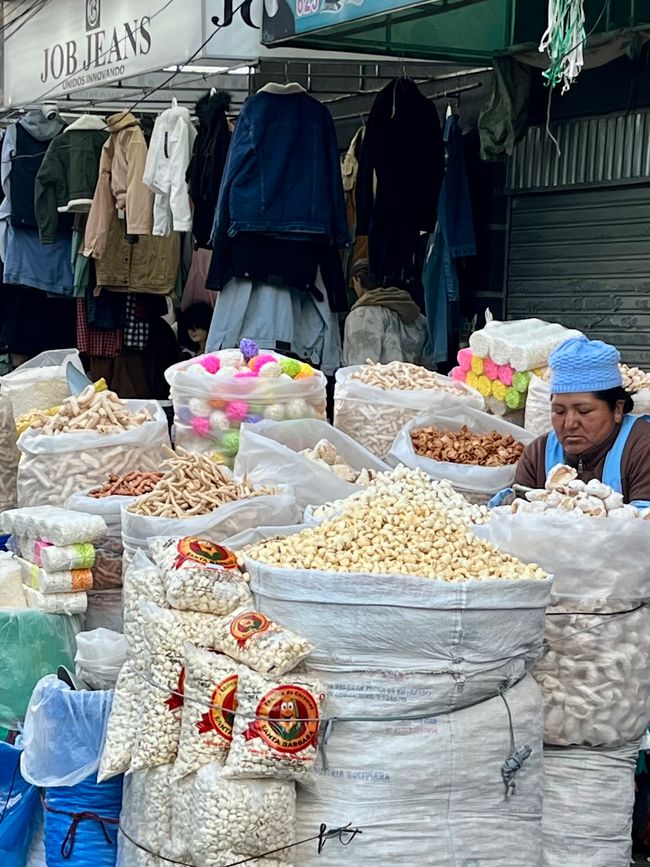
(81, 823)
(18, 805)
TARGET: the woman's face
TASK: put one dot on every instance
(581, 420)
(198, 335)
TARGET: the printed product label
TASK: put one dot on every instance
(193, 552)
(221, 716)
(287, 719)
(250, 625)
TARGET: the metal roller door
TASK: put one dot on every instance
(582, 257)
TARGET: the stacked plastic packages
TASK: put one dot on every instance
(215, 394)
(594, 673)
(501, 357)
(209, 722)
(57, 555)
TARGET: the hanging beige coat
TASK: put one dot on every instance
(120, 187)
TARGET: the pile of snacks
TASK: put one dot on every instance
(394, 528)
(133, 484)
(373, 402)
(325, 455)
(400, 376)
(634, 379)
(193, 484)
(564, 491)
(38, 418)
(101, 411)
(417, 483)
(464, 447)
(9, 452)
(55, 577)
(213, 395)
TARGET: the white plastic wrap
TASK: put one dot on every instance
(268, 455)
(373, 417)
(588, 804)
(101, 653)
(260, 643)
(56, 525)
(55, 558)
(143, 582)
(276, 728)
(41, 382)
(77, 581)
(53, 467)
(538, 407)
(223, 522)
(525, 344)
(56, 603)
(11, 585)
(473, 479)
(210, 689)
(10, 454)
(123, 721)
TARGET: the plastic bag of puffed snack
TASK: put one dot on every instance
(210, 689)
(59, 526)
(70, 581)
(201, 575)
(252, 638)
(123, 722)
(251, 816)
(54, 558)
(56, 603)
(143, 582)
(276, 727)
(162, 702)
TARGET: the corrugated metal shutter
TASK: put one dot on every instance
(582, 258)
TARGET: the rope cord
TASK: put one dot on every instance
(345, 836)
(613, 615)
(68, 842)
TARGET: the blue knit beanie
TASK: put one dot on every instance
(580, 364)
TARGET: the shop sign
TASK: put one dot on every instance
(72, 44)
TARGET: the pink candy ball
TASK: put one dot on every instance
(201, 426)
(491, 369)
(458, 374)
(237, 410)
(259, 360)
(211, 363)
(505, 374)
(465, 358)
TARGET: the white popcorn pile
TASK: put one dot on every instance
(248, 817)
(210, 689)
(417, 483)
(594, 674)
(201, 576)
(276, 728)
(395, 527)
(252, 638)
(566, 492)
(325, 455)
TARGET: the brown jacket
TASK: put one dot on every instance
(635, 463)
(120, 186)
(149, 265)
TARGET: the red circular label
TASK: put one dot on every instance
(249, 624)
(287, 719)
(205, 553)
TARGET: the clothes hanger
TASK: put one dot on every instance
(213, 92)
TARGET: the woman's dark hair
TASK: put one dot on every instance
(197, 316)
(612, 396)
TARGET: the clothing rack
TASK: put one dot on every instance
(442, 95)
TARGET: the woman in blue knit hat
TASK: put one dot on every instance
(593, 430)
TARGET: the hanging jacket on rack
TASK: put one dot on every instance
(67, 177)
(166, 168)
(208, 161)
(120, 186)
(28, 141)
(399, 178)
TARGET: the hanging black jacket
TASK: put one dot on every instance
(208, 161)
(404, 151)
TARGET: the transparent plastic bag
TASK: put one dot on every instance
(276, 727)
(56, 603)
(250, 817)
(70, 581)
(57, 558)
(53, 467)
(20, 812)
(269, 455)
(263, 645)
(143, 582)
(469, 478)
(122, 723)
(210, 689)
(41, 382)
(64, 732)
